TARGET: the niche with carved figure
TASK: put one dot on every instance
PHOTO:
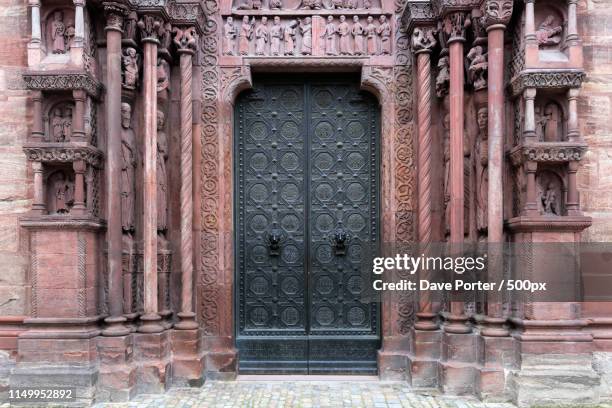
(59, 190)
(58, 29)
(550, 25)
(551, 119)
(551, 192)
(58, 121)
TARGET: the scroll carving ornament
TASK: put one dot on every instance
(566, 79)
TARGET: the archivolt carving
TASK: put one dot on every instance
(234, 81)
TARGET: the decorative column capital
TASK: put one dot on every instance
(34, 3)
(79, 3)
(114, 15)
(151, 28)
(423, 40)
(455, 24)
(185, 39)
(497, 13)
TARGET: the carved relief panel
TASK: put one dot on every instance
(58, 122)
(58, 29)
(306, 4)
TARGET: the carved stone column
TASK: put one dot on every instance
(79, 188)
(114, 23)
(186, 44)
(38, 129)
(530, 120)
(455, 24)
(572, 23)
(34, 46)
(79, 23)
(78, 123)
(38, 206)
(423, 42)
(149, 27)
(497, 15)
(573, 132)
(573, 203)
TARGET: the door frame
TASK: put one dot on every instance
(215, 283)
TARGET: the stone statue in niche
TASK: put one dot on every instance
(276, 4)
(540, 122)
(548, 199)
(306, 30)
(162, 177)
(130, 68)
(276, 33)
(371, 36)
(246, 35)
(67, 124)
(129, 26)
(384, 31)
(446, 156)
(478, 67)
(311, 5)
(357, 32)
(482, 173)
(57, 126)
(289, 32)
(230, 33)
(58, 31)
(128, 169)
(69, 36)
(345, 41)
(62, 193)
(261, 36)
(329, 35)
(443, 77)
(163, 74)
(552, 123)
(549, 34)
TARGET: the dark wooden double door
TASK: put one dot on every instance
(307, 221)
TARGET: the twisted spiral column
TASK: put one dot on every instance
(425, 315)
(186, 315)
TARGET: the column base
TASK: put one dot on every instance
(426, 321)
(151, 323)
(186, 321)
(115, 326)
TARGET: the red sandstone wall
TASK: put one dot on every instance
(15, 184)
(595, 113)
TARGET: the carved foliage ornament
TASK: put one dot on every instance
(455, 25)
(150, 27)
(544, 153)
(549, 80)
(63, 154)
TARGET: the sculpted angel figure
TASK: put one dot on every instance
(128, 169)
(162, 178)
(230, 33)
(482, 174)
(357, 32)
(478, 67)
(330, 34)
(547, 33)
(261, 36)
(345, 42)
(443, 78)
(57, 126)
(549, 200)
(246, 35)
(130, 68)
(306, 31)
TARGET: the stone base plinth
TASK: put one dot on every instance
(117, 377)
(221, 358)
(458, 369)
(152, 360)
(187, 358)
(498, 354)
(425, 360)
(393, 358)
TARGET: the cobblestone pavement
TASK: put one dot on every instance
(304, 394)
